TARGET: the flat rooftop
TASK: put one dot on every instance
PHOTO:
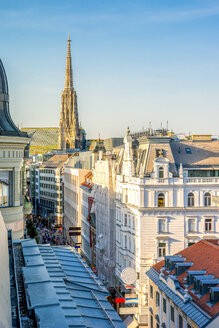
(62, 291)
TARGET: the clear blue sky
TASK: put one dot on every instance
(133, 62)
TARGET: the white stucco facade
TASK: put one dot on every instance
(12, 177)
(5, 301)
(160, 215)
(104, 193)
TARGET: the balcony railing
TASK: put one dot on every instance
(202, 180)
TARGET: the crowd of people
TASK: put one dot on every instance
(47, 233)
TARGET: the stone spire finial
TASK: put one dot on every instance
(68, 71)
(128, 131)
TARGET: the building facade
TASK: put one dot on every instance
(184, 289)
(70, 134)
(49, 188)
(88, 221)
(164, 192)
(104, 194)
(5, 302)
(73, 178)
(13, 152)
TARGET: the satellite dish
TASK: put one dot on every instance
(128, 276)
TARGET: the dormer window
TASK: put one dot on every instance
(161, 173)
(188, 150)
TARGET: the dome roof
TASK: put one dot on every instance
(7, 126)
(3, 80)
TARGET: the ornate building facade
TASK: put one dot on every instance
(13, 151)
(71, 135)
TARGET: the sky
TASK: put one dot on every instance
(134, 62)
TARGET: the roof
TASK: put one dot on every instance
(189, 153)
(43, 136)
(62, 290)
(7, 126)
(204, 256)
(190, 309)
(88, 181)
(205, 153)
(56, 161)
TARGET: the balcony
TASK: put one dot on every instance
(206, 180)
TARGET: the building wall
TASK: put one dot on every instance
(49, 193)
(85, 228)
(105, 220)
(12, 161)
(5, 302)
(137, 200)
(72, 200)
(158, 309)
(140, 242)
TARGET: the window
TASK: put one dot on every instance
(208, 225)
(161, 249)
(161, 200)
(180, 321)
(161, 225)
(191, 225)
(4, 188)
(152, 323)
(161, 173)
(125, 242)
(207, 199)
(188, 325)
(157, 299)
(172, 314)
(125, 220)
(188, 151)
(191, 199)
(151, 291)
(164, 305)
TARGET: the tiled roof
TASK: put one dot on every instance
(202, 153)
(63, 291)
(88, 181)
(43, 136)
(56, 161)
(189, 308)
(205, 256)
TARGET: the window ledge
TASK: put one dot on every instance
(163, 235)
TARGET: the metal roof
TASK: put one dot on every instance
(7, 126)
(63, 291)
(189, 308)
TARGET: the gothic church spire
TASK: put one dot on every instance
(68, 71)
(70, 134)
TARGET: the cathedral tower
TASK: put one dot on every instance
(70, 134)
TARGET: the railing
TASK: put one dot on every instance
(201, 180)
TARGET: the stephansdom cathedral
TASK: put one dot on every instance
(71, 135)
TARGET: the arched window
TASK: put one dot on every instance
(207, 199)
(67, 145)
(161, 200)
(191, 199)
(161, 173)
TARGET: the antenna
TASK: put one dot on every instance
(167, 125)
